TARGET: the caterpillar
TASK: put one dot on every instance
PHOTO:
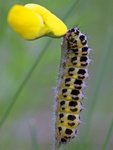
(71, 82)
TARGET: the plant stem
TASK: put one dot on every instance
(110, 132)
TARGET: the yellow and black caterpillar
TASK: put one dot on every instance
(73, 71)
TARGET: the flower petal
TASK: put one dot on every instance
(25, 22)
(56, 26)
(34, 21)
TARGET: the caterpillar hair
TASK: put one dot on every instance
(71, 82)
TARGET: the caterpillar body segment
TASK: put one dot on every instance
(65, 121)
(77, 61)
(69, 106)
(71, 83)
(84, 51)
(70, 94)
(65, 134)
(76, 73)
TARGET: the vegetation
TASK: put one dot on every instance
(28, 75)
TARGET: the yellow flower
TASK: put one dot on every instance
(33, 21)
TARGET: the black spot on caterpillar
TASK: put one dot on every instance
(73, 72)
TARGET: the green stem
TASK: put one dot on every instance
(33, 137)
(106, 142)
(59, 147)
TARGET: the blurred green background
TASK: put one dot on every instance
(28, 75)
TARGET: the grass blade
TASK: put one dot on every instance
(4, 117)
(33, 135)
(110, 132)
(74, 5)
